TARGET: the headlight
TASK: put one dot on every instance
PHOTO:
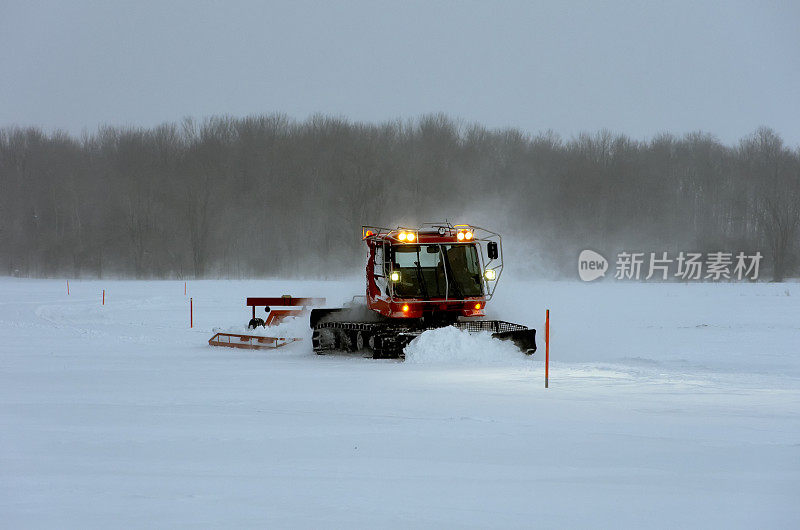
(490, 275)
(410, 236)
(401, 236)
(468, 236)
(460, 236)
(395, 276)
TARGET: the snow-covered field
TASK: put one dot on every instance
(669, 406)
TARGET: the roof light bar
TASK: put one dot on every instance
(407, 236)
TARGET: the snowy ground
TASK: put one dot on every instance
(669, 406)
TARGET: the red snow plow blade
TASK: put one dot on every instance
(250, 342)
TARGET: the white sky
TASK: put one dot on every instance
(636, 68)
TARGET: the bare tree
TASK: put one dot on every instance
(268, 195)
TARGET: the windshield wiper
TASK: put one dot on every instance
(420, 277)
(449, 271)
(421, 280)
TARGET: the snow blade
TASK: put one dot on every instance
(524, 339)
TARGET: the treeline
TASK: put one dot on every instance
(267, 196)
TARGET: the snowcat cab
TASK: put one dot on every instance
(438, 272)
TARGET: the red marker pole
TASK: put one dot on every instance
(67, 287)
(547, 350)
(104, 297)
(191, 314)
(184, 288)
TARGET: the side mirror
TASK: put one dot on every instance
(491, 249)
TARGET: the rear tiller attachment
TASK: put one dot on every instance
(287, 306)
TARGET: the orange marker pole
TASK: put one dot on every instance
(104, 297)
(191, 314)
(67, 287)
(547, 350)
(184, 288)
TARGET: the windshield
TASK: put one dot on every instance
(423, 268)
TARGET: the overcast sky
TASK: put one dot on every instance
(636, 68)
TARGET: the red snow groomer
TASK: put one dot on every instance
(418, 279)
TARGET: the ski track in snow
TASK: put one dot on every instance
(670, 406)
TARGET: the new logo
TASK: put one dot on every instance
(591, 265)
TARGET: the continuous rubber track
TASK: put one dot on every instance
(388, 339)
